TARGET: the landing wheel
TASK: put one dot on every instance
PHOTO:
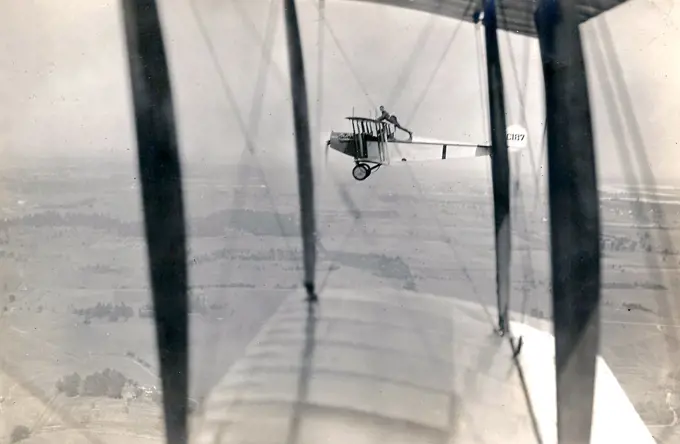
(361, 171)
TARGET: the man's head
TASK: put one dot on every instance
(382, 108)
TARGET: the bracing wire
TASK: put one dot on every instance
(231, 98)
(279, 78)
(410, 63)
(540, 163)
(161, 177)
(440, 63)
(323, 24)
(527, 260)
(630, 121)
(250, 129)
(344, 194)
(305, 171)
(423, 37)
(518, 86)
(621, 118)
(481, 79)
(348, 61)
(418, 186)
(263, 73)
(447, 239)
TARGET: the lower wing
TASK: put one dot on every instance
(416, 151)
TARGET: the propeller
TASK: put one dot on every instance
(328, 145)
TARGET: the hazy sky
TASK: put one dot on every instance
(65, 86)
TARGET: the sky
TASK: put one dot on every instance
(65, 90)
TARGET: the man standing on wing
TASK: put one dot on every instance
(384, 115)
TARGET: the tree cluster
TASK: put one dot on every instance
(108, 383)
(20, 433)
(109, 312)
(197, 305)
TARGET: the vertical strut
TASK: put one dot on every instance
(304, 153)
(574, 219)
(161, 178)
(500, 169)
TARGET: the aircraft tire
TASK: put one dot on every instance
(361, 171)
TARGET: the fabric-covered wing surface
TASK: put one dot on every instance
(513, 15)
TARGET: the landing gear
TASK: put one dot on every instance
(361, 171)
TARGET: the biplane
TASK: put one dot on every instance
(370, 143)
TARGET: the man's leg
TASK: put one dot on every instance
(410, 134)
(397, 125)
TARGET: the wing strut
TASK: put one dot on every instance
(500, 169)
(574, 218)
(304, 153)
(161, 177)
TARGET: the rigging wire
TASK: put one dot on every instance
(420, 191)
(254, 118)
(161, 177)
(447, 239)
(541, 162)
(347, 59)
(440, 63)
(518, 86)
(527, 259)
(484, 102)
(450, 243)
(342, 190)
(638, 147)
(231, 98)
(344, 194)
(423, 36)
(346, 198)
(261, 83)
(621, 117)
